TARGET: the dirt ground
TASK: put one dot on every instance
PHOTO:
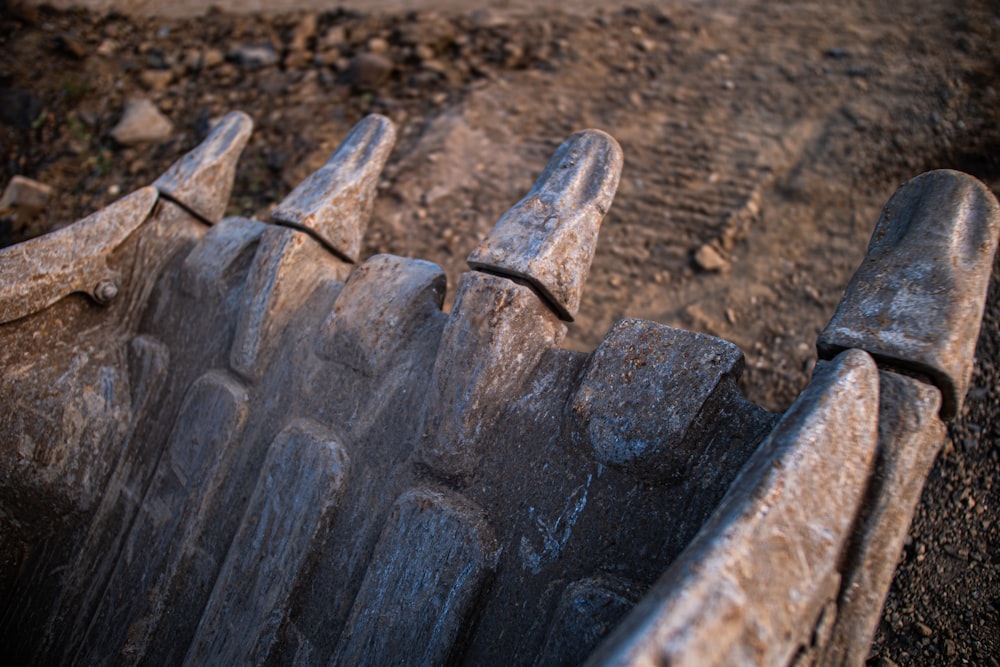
(768, 132)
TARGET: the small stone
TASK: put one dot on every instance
(513, 54)
(423, 52)
(304, 31)
(156, 79)
(483, 19)
(25, 198)
(378, 45)
(923, 629)
(72, 45)
(255, 56)
(141, 123)
(212, 58)
(192, 60)
(332, 38)
(368, 71)
(297, 59)
(329, 58)
(107, 47)
(707, 258)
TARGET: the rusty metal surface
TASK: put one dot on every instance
(549, 237)
(917, 300)
(37, 273)
(260, 452)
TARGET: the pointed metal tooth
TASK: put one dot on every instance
(202, 180)
(549, 237)
(917, 300)
(335, 203)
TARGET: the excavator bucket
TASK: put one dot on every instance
(230, 441)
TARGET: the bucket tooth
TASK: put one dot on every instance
(916, 302)
(202, 180)
(297, 492)
(386, 304)
(496, 336)
(436, 554)
(335, 203)
(586, 611)
(212, 265)
(549, 237)
(658, 402)
(909, 438)
(286, 268)
(207, 430)
(767, 558)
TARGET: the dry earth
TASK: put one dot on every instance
(765, 135)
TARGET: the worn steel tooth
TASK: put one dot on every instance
(549, 237)
(297, 492)
(586, 612)
(434, 557)
(682, 399)
(385, 305)
(210, 266)
(916, 302)
(286, 268)
(37, 273)
(335, 203)
(764, 566)
(207, 430)
(492, 344)
(202, 180)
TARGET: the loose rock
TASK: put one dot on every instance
(24, 198)
(332, 38)
(255, 56)
(707, 258)
(212, 58)
(304, 31)
(156, 79)
(73, 45)
(141, 123)
(368, 71)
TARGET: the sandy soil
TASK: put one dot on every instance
(771, 132)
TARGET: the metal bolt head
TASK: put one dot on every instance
(105, 291)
